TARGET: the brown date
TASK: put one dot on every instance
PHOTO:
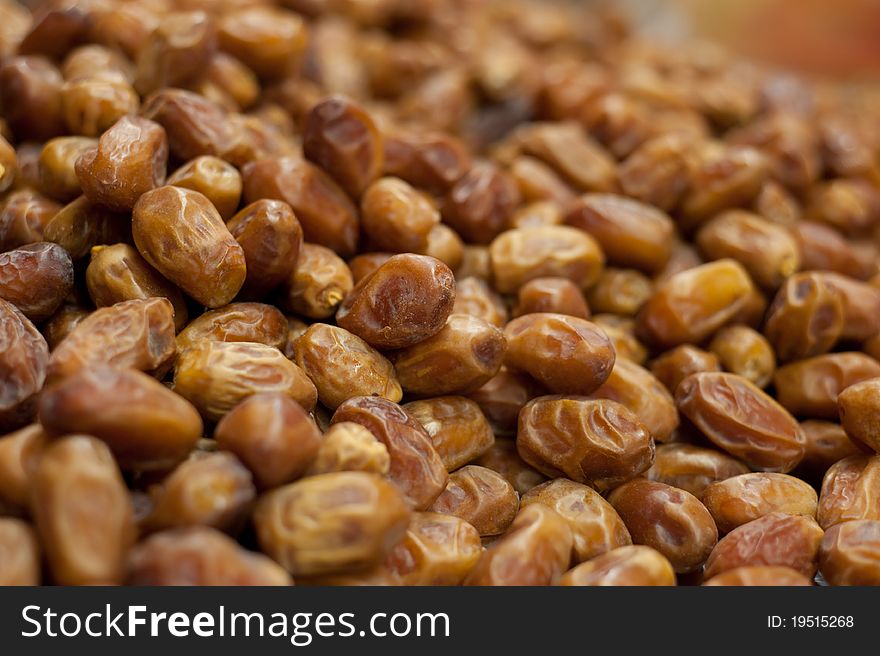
(741, 419)
(597, 442)
(19, 453)
(458, 429)
(774, 539)
(81, 225)
(740, 499)
(416, 467)
(237, 322)
(535, 550)
(744, 351)
(859, 406)
(595, 525)
(502, 457)
(331, 523)
(556, 295)
(481, 497)
(849, 491)
(216, 376)
(566, 354)
(317, 285)
(404, 301)
(347, 446)
(143, 422)
(272, 435)
(635, 565)
(692, 468)
(83, 512)
(36, 278)
(217, 179)
(850, 553)
(676, 364)
(342, 366)
(180, 233)
(19, 553)
(760, 576)
(199, 555)
(137, 333)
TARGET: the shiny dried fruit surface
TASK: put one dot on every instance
(566, 354)
(676, 364)
(535, 550)
(502, 457)
(760, 576)
(668, 519)
(82, 511)
(742, 420)
(404, 301)
(459, 431)
(396, 217)
(137, 334)
(237, 322)
(555, 295)
(342, 366)
(272, 435)
(216, 376)
(850, 553)
(692, 468)
(740, 499)
(744, 351)
(416, 467)
(595, 525)
(849, 491)
(180, 233)
(810, 388)
(24, 359)
(597, 442)
(859, 406)
(317, 285)
(464, 355)
(774, 539)
(142, 421)
(691, 305)
(635, 565)
(481, 497)
(348, 446)
(19, 453)
(331, 523)
(36, 278)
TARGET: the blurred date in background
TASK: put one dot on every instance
(835, 38)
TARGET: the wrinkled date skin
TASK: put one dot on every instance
(129, 160)
(137, 333)
(331, 523)
(271, 237)
(208, 489)
(503, 397)
(342, 366)
(396, 217)
(83, 512)
(774, 539)
(596, 442)
(144, 423)
(475, 297)
(404, 301)
(742, 420)
(180, 233)
(81, 225)
(481, 497)
(19, 553)
(630, 233)
(667, 519)
(827, 444)
(237, 322)
(118, 273)
(327, 215)
(635, 565)
(849, 491)
(691, 305)
(850, 553)
(760, 576)
(464, 355)
(200, 555)
(24, 358)
(216, 376)
(566, 354)
(459, 431)
(347, 446)
(678, 363)
(805, 318)
(810, 388)
(217, 179)
(535, 550)
(638, 390)
(740, 499)
(556, 295)
(36, 278)
(692, 468)
(480, 205)
(595, 525)
(416, 467)
(859, 407)
(272, 435)
(317, 285)
(341, 138)
(524, 254)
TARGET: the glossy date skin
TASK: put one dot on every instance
(635, 565)
(23, 365)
